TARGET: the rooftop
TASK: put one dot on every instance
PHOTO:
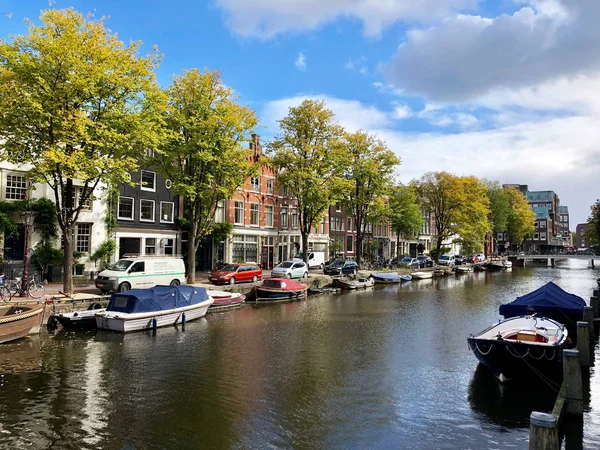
(541, 212)
(540, 196)
(563, 210)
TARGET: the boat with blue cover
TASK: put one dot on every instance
(389, 278)
(549, 301)
(140, 309)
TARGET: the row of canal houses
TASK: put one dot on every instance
(265, 223)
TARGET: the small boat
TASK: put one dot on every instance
(521, 347)
(508, 264)
(406, 277)
(324, 290)
(279, 289)
(549, 301)
(386, 278)
(78, 320)
(360, 283)
(225, 300)
(439, 273)
(142, 309)
(463, 269)
(479, 268)
(422, 275)
(16, 322)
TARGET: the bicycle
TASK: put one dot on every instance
(5, 294)
(33, 289)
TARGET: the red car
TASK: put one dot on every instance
(236, 273)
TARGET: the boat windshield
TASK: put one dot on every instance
(230, 268)
(121, 265)
(407, 260)
(286, 265)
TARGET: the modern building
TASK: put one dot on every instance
(547, 235)
(565, 232)
(581, 240)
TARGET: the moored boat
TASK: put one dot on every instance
(78, 320)
(141, 309)
(279, 289)
(463, 269)
(360, 283)
(223, 300)
(386, 278)
(406, 278)
(17, 321)
(521, 347)
(421, 275)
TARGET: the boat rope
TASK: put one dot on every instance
(479, 350)
(16, 317)
(552, 384)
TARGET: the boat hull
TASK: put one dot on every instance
(17, 326)
(81, 320)
(421, 275)
(125, 323)
(518, 360)
(276, 295)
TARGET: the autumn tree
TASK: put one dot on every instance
(592, 232)
(78, 106)
(404, 212)
(310, 162)
(204, 156)
(521, 219)
(369, 173)
(499, 210)
(459, 206)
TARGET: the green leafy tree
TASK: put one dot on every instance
(78, 105)
(472, 218)
(369, 173)
(310, 162)
(592, 232)
(521, 219)
(405, 213)
(204, 156)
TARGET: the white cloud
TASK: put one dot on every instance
(357, 64)
(401, 111)
(301, 62)
(467, 57)
(387, 89)
(268, 18)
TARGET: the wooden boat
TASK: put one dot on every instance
(17, 321)
(360, 283)
(225, 300)
(521, 347)
(279, 289)
(142, 309)
(386, 278)
(421, 275)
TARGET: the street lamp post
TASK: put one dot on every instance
(27, 217)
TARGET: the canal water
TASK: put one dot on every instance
(384, 368)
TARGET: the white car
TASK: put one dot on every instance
(447, 260)
(291, 269)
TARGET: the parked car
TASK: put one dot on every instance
(141, 272)
(447, 260)
(236, 273)
(291, 269)
(411, 263)
(459, 259)
(315, 259)
(340, 267)
(424, 261)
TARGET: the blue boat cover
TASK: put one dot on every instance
(389, 276)
(546, 300)
(158, 298)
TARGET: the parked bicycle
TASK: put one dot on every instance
(34, 287)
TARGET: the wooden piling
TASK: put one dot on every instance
(583, 344)
(573, 382)
(543, 432)
(588, 316)
(596, 293)
(595, 304)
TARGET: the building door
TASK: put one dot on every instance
(413, 250)
(14, 245)
(129, 246)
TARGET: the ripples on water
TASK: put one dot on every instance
(386, 368)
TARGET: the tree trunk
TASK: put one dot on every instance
(68, 258)
(359, 241)
(397, 247)
(191, 266)
(439, 249)
(305, 246)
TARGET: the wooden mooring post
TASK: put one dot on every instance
(543, 431)
(583, 344)
(588, 316)
(573, 382)
(595, 304)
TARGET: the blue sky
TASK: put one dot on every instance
(502, 89)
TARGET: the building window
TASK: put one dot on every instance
(338, 207)
(499, 236)
(167, 211)
(169, 245)
(294, 218)
(254, 214)
(284, 218)
(536, 237)
(220, 213)
(349, 224)
(82, 240)
(323, 226)
(542, 236)
(542, 224)
(148, 181)
(349, 243)
(150, 247)
(285, 191)
(78, 270)
(16, 187)
(245, 248)
(255, 184)
(147, 210)
(270, 185)
(238, 213)
(77, 195)
(125, 208)
(269, 216)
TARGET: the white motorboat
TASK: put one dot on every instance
(464, 269)
(142, 309)
(421, 275)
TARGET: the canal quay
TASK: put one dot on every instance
(383, 368)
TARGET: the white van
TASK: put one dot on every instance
(447, 260)
(316, 260)
(141, 272)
